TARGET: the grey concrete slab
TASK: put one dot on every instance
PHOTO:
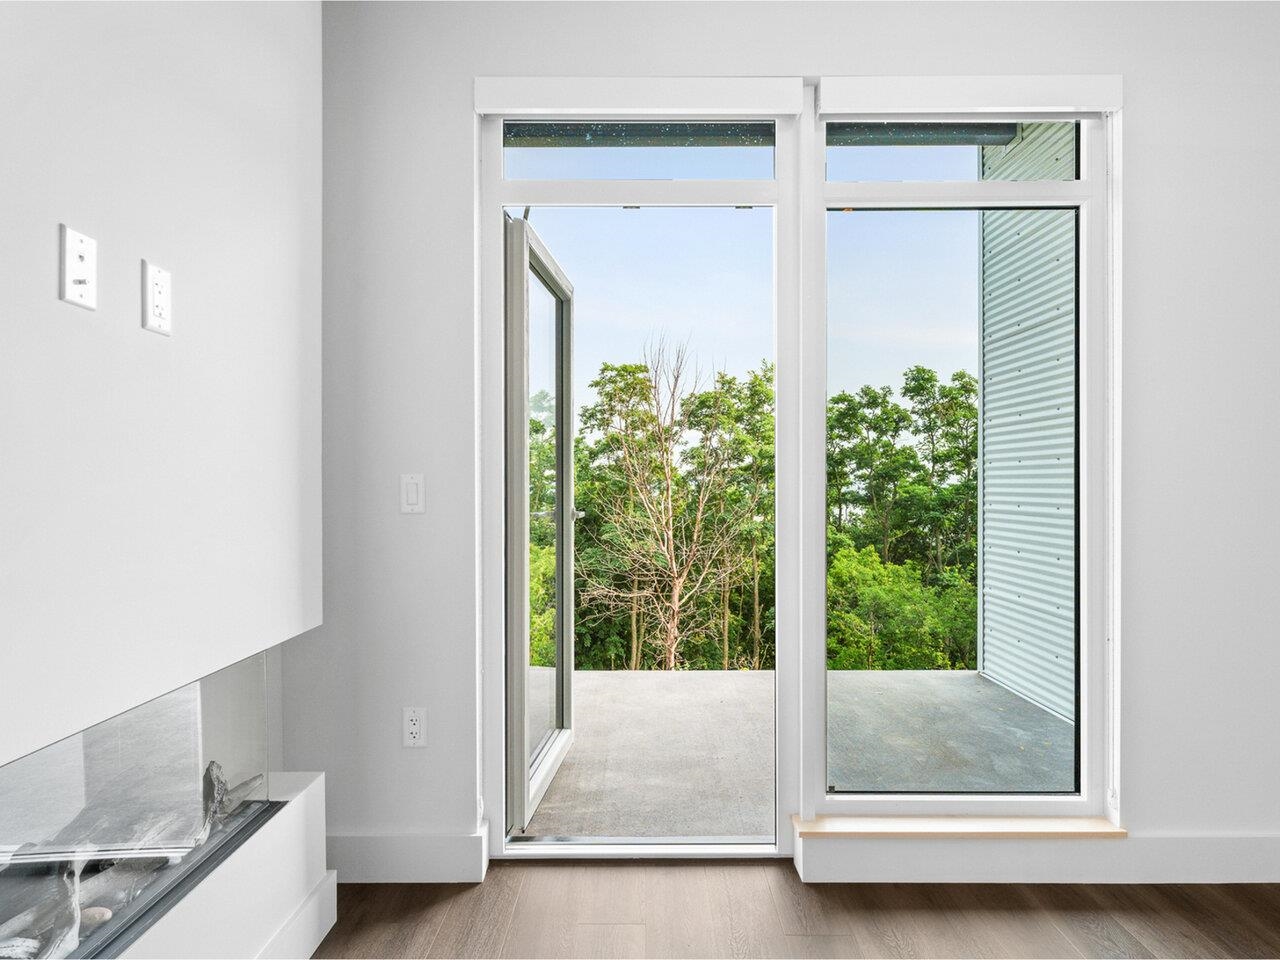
(951, 731)
(691, 753)
(666, 754)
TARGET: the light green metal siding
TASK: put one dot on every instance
(1040, 151)
(1027, 527)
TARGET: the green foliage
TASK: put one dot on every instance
(880, 615)
(902, 491)
(542, 530)
(883, 616)
(674, 553)
(956, 607)
(676, 484)
(542, 605)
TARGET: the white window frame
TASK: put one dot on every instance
(800, 197)
(770, 99)
(1094, 103)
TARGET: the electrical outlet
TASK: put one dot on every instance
(157, 299)
(415, 726)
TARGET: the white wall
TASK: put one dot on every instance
(1200, 515)
(159, 497)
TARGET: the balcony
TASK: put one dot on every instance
(690, 754)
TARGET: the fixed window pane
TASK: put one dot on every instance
(951, 490)
(880, 151)
(574, 150)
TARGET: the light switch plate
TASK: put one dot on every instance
(78, 277)
(412, 493)
(157, 299)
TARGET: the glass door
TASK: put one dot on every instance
(540, 519)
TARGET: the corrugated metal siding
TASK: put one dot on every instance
(1027, 526)
(1040, 151)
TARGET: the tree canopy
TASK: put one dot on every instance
(674, 565)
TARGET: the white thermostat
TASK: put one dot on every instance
(157, 299)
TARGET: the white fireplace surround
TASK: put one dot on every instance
(272, 897)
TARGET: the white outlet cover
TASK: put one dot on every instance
(157, 299)
(78, 277)
(414, 727)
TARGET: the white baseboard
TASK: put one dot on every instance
(1133, 860)
(411, 858)
(271, 897)
(309, 924)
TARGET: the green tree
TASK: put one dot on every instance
(605, 638)
(944, 423)
(870, 467)
(675, 551)
(542, 605)
(542, 530)
(734, 421)
(880, 616)
(957, 611)
(902, 483)
(660, 545)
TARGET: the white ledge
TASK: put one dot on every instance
(1040, 95)
(273, 896)
(605, 97)
(957, 827)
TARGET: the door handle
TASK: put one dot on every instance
(544, 514)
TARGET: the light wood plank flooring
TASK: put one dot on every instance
(761, 909)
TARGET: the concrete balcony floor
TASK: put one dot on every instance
(690, 754)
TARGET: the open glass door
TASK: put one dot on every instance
(540, 518)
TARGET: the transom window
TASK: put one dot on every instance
(914, 152)
(577, 150)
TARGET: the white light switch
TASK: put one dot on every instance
(411, 493)
(157, 299)
(79, 274)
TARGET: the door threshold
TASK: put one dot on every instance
(597, 848)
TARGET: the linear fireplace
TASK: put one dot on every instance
(102, 832)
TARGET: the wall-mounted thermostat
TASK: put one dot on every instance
(78, 278)
(157, 299)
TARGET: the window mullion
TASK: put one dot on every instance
(588, 193)
(987, 193)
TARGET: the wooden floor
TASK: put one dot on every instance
(761, 909)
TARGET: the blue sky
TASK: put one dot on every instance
(697, 276)
(902, 285)
(902, 289)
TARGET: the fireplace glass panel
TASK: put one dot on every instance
(100, 829)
